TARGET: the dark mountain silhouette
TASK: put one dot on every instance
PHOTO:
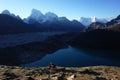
(115, 28)
(11, 25)
(108, 38)
(95, 25)
(114, 21)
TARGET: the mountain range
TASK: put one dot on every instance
(36, 22)
(39, 22)
(36, 17)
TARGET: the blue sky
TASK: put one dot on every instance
(72, 9)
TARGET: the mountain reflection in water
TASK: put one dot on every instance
(73, 57)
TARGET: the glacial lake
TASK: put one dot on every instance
(73, 57)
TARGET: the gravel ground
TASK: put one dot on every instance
(60, 73)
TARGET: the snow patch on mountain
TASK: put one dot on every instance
(49, 16)
(37, 16)
(93, 19)
(87, 21)
(63, 19)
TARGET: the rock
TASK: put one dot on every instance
(100, 78)
(10, 75)
(29, 78)
(90, 72)
(54, 78)
(71, 77)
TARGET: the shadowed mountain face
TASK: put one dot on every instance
(59, 25)
(114, 21)
(11, 25)
(115, 28)
(95, 25)
(99, 39)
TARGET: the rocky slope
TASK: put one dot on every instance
(60, 73)
(97, 36)
(99, 25)
(98, 39)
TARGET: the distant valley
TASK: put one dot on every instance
(27, 40)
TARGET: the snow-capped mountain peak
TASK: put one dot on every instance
(36, 16)
(36, 13)
(87, 21)
(63, 19)
(6, 12)
(51, 15)
(93, 19)
(10, 14)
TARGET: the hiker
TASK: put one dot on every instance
(52, 70)
(52, 66)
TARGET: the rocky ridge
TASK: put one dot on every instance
(60, 73)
